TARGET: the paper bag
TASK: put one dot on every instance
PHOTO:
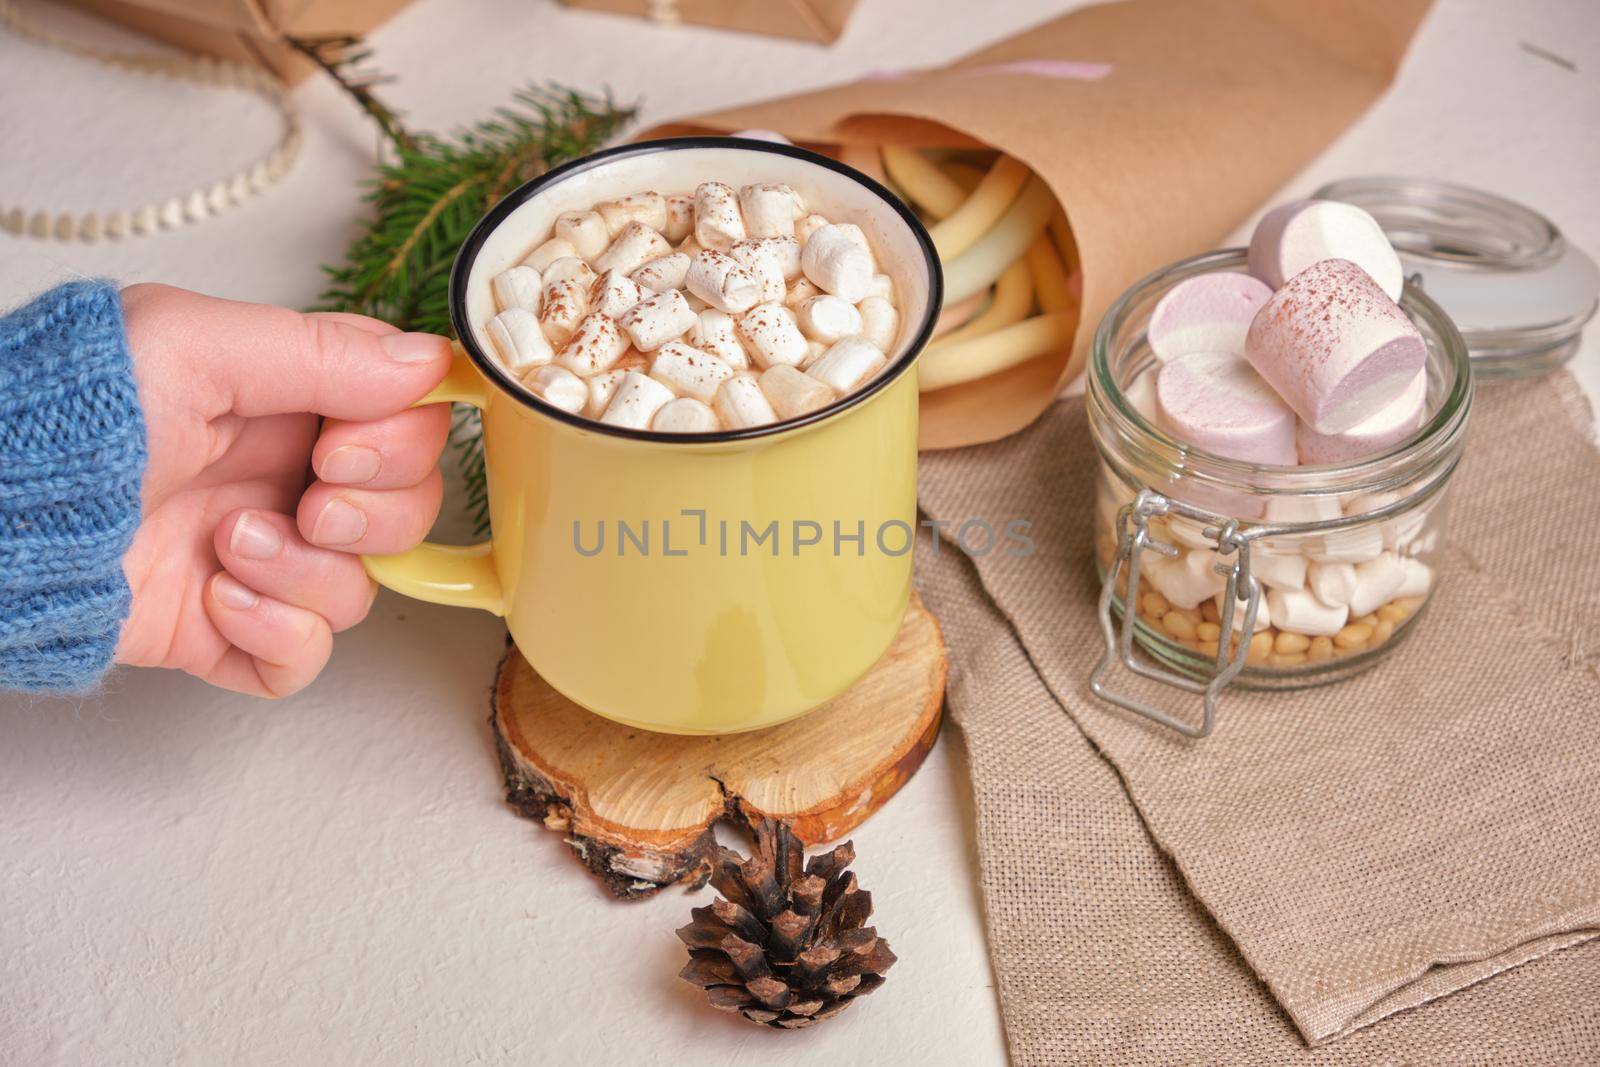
(1159, 124)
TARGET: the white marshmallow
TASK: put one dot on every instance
(689, 371)
(808, 226)
(717, 222)
(772, 336)
(827, 319)
(720, 280)
(801, 291)
(586, 231)
(848, 363)
(1187, 581)
(658, 319)
(882, 286)
(1356, 545)
(614, 294)
(770, 209)
(1293, 236)
(569, 269)
(1418, 577)
(601, 388)
(764, 261)
(880, 322)
(836, 261)
(517, 337)
(1279, 570)
(635, 401)
(648, 208)
(1263, 611)
(1332, 583)
(1189, 532)
(1377, 582)
(680, 219)
(566, 302)
(1302, 613)
(635, 246)
(715, 332)
(1302, 509)
(663, 273)
(547, 253)
(688, 246)
(792, 393)
(815, 350)
(558, 387)
(1398, 532)
(519, 287)
(595, 346)
(685, 415)
(740, 404)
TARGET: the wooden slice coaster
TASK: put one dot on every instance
(637, 807)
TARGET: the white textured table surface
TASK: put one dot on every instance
(188, 876)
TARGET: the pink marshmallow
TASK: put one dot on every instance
(1206, 313)
(1293, 236)
(1386, 429)
(1334, 346)
(1214, 401)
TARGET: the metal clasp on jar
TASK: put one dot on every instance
(1133, 538)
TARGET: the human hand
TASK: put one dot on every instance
(241, 572)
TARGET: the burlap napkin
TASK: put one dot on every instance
(1365, 847)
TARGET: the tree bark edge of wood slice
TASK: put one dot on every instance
(637, 808)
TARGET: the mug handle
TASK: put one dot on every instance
(459, 575)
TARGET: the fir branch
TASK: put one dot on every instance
(341, 58)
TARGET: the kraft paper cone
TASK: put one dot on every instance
(1159, 125)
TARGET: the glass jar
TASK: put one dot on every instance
(1326, 569)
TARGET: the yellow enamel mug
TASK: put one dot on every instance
(704, 583)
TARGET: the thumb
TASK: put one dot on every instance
(265, 360)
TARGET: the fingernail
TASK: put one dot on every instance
(231, 593)
(350, 465)
(254, 538)
(341, 523)
(411, 347)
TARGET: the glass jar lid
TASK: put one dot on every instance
(1518, 291)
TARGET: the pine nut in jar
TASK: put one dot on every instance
(1343, 555)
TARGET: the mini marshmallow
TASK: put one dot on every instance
(715, 332)
(1189, 532)
(635, 246)
(1263, 612)
(1418, 578)
(558, 387)
(601, 388)
(848, 363)
(1357, 545)
(566, 302)
(719, 280)
(770, 209)
(1332, 583)
(1187, 581)
(740, 403)
(519, 287)
(688, 246)
(815, 350)
(764, 262)
(1398, 532)
(547, 253)
(685, 415)
(837, 263)
(771, 335)
(857, 236)
(1293, 236)
(635, 401)
(569, 269)
(827, 318)
(800, 291)
(614, 294)
(648, 208)
(663, 273)
(680, 219)
(1215, 401)
(658, 319)
(595, 347)
(1334, 346)
(882, 286)
(1391, 425)
(1300, 612)
(516, 336)
(586, 230)
(808, 226)
(1377, 582)
(792, 393)
(880, 322)
(1206, 313)
(1302, 509)
(1278, 570)
(717, 222)
(689, 371)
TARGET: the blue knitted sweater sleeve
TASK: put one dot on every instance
(72, 452)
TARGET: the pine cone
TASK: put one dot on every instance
(785, 949)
